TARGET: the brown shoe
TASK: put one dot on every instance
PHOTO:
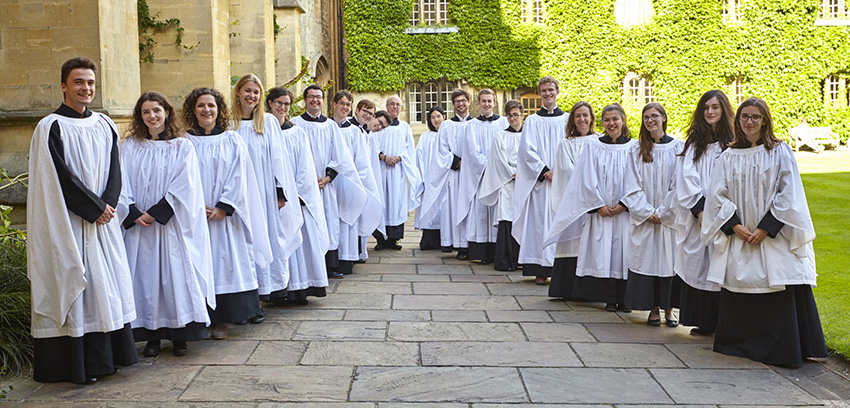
(219, 331)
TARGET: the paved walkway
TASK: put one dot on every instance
(421, 329)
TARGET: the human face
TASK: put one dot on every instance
(549, 95)
(582, 119)
(342, 108)
(613, 124)
(154, 116)
(394, 106)
(653, 120)
(280, 107)
(515, 118)
(436, 119)
(249, 97)
(751, 120)
(485, 102)
(206, 111)
(712, 112)
(79, 88)
(378, 124)
(461, 104)
(314, 101)
(364, 115)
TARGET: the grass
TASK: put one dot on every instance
(15, 340)
(826, 178)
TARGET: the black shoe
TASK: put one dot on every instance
(258, 318)
(623, 308)
(653, 322)
(671, 322)
(446, 249)
(151, 349)
(610, 307)
(300, 302)
(462, 254)
(335, 275)
(393, 245)
(179, 348)
(380, 246)
(696, 331)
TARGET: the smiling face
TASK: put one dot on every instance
(280, 107)
(751, 120)
(79, 88)
(206, 111)
(342, 108)
(461, 105)
(613, 124)
(712, 112)
(314, 101)
(365, 114)
(154, 116)
(249, 97)
(486, 102)
(394, 106)
(378, 124)
(653, 120)
(582, 119)
(436, 119)
(549, 94)
(515, 118)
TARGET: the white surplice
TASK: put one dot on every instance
(569, 151)
(650, 191)
(479, 218)
(240, 241)
(750, 182)
(692, 255)
(402, 183)
(171, 264)
(441, 186)
(497, 183)
(79, 272)
(532, 207)
(426, 149)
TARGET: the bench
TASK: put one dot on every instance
(821, 135)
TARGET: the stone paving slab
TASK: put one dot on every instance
(518, 316)
(389, 315)
(437, 384)
(479, 269)
(518, 289)
(418, 405)
(584, 316)
(391, 253)
(480, 278)
(410, 261)
(160, 383)
(715, 386)
(388, 269)
(702, 356)
(416, 278)
(301, 313)
(449, 288)
(344, 330)
(498, 354)
(643, 333)
(212, 352)
(592, 386)
(268, 330)
(625, 355)
(454, 302)
(316, 405)
(462, 269)
(352, 301)
(278, 353)
(343, 353)
(537, 406)
(817, 380)
(392, 288)
(225, 383)
(182, 405)
(432, 331)
(458, 316)
(541, 303)
(556, 332)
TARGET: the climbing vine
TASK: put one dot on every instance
(149, 24)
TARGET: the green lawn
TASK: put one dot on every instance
(826, 179)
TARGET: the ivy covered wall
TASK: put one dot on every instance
(685, 50)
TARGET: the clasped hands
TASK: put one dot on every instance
(612, 211)
(752, 237)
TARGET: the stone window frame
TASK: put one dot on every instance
(421, 96)
(427, 13)
(636, 89)
(735, 89)
(531, 103)
(835, 91)
(732, 11)
(532, 11)
(834, 13)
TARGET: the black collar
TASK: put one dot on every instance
(199, 131)
(664, 140)
(354, 121)
(487, 118)
(160, 136)
(545, 112)
(286, 125)
(66, 111)
(457, 118)
(321, 119)
(346, 123)
(395, 122)
(620, 140)
(511, 129)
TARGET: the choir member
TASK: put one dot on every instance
(364, 114)
(82, 292)
(481, 227)
(596, 189)
(307, 269)
(649, 195)
(262, 135)
(426, 148)
(757, 219)
(580, 130)
(442, 185)
(165, 231)
(400, 176)
(710, 133)
(497, 187)
(235, 216)
(533, 212)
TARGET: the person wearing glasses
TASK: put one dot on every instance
(497, 187)
(757, 219)
(649, 195)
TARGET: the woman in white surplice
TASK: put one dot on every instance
(757, 218)
(236, 219)
(165, 233)
(649, 199)
(710, 133)
(426, 149)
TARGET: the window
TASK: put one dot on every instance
(531, 103)
(835, 92)
(421, 98)
(834, 10)
(735, 89)
(636, 89)
(733, 11)
(633, 12)
(531, 11)
(430, 12)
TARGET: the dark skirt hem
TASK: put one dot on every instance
(536, 270)
(698, 307)
(295, 295)
(235, 307)
(592, 289)
(563, 279)
(79, 359)
(506, 253)
(193, 331)
(271, 297)
(481, 251)
(648, 292)
(430, 240)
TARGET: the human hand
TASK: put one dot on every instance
(757, 236)
(654, 219)
(217, 214)
(323, 181)
(108, 215)
(144, 220)
(617, 209)
(548, 175)
(742, 232)
(281, 202)
(605, 212)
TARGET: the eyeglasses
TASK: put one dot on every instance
(652, 117)
(316, 97)
(279, 103)
(513, 115)
(752, 118)
(461, 101)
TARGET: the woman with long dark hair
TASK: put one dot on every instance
(426, 148)
(757, 219)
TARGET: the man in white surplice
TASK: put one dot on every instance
(533, 211)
